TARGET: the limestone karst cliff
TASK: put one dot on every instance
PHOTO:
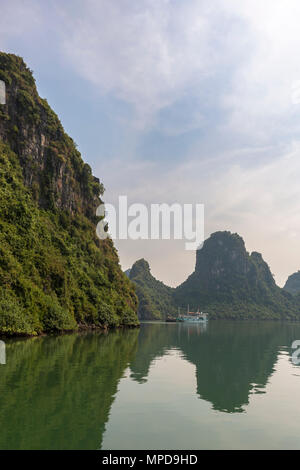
(227, 282)
(292, 284)
(231, 283)
(54, 273)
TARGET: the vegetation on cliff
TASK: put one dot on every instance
(292, 285)
(155, 298)
(54, 272)
(229, 282)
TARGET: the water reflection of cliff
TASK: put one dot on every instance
(232, 359)
(56, 392)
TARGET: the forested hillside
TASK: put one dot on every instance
(55, 274)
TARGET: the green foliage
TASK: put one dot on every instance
(155, 298)
(14, 318)
(230, 283)
(47, 154)
(54, 268)
(54, 272)
(292, 285)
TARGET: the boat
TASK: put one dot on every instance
(193, 317)
(170, 319)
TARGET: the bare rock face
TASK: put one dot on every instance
(223, 255)
(52, 166)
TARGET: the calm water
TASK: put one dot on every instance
(165, 386)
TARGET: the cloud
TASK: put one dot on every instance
(260, 100)
(239, 58)
(17, 18)
(147, 53)
(219, 75)
(261, 203)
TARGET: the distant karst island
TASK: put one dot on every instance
(228, 282)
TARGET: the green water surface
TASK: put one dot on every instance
(229, 385)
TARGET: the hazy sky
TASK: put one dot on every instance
(178, 101)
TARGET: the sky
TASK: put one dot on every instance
(184, 101)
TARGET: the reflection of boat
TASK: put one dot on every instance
(192, 328)
(193, 317)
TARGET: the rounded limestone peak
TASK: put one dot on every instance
(292, 285)
(222, 253)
